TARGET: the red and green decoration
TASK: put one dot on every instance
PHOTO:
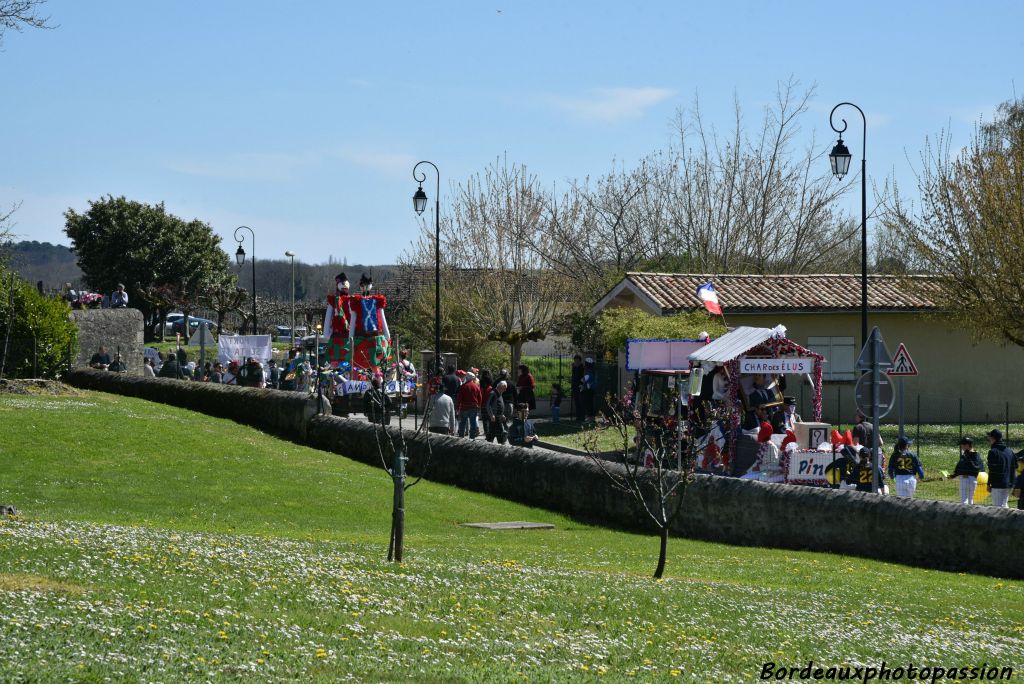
(357, 328)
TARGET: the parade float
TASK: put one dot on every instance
(358, 347)
(743, 375)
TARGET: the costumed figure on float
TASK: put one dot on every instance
(357, 329)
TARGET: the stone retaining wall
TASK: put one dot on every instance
(920, 533)
(915, 532)
(271, 410)
(113, 329)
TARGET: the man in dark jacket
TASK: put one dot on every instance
(864, 432)
(575, 383)
(967, 469)
(171, 369)
(1002, 468)
(451, 383)
(377, 404)
(494, 414)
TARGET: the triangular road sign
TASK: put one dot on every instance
(902, 364)
(882, 353)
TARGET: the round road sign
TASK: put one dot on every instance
(886, 394)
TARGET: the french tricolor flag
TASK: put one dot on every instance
(706, 293)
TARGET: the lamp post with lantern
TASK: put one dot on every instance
(291, 255)
(419, 203)
(840, 160)
(240, 258)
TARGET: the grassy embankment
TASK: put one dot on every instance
(162, 545)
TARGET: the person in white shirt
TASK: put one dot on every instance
(442, 415)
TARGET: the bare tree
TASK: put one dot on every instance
(733, 203)
(497, 236)
(968, 228)
(17, 15)
(755, 204)
(653, 471)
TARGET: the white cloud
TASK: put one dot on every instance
(610, 105)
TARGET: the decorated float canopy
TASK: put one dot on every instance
(758, 351)
(747, 368)
(750, 352)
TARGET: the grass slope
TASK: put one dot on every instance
(162, 545)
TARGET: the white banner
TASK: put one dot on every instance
(797, 366)
(240, 347)
(808, 467)
(660, 354)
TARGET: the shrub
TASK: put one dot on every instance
(37, 330)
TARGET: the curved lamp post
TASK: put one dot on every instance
(240, 258)
(840, 159)
(419, 203)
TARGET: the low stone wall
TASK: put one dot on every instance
(113, 329)
(915, 532)
(272, 410)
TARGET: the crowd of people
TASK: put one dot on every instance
(474, 403)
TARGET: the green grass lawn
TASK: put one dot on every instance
(161, 545)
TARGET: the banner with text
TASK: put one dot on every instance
(240, 347)
(797, 365)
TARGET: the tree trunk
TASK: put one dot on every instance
(517, 355)
(662, 553)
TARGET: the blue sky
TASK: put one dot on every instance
(303, 120)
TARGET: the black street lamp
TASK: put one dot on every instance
(840, 159)
(419, 203)
(291, 255)
(240, 258)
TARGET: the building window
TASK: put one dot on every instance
(840, 356)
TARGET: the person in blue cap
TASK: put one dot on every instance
(905, 468)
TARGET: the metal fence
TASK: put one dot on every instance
(557, 368)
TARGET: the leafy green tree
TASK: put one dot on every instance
(36, 335)
(141, 245)
(967, 229)
(620, 324)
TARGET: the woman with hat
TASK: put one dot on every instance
(967, 469)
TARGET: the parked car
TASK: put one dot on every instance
(283, 333)
(176, 323)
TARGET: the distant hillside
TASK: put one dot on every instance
(52, 264)
(56, 265)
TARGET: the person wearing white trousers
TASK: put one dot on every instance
(967, 469)
(905, 468)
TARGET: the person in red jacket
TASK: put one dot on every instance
(468, 405)
(525, 385)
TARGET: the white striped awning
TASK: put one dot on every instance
(732, 345)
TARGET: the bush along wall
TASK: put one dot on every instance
(35, 329)
(931, 534)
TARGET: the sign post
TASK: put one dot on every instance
(902, 366)
(874, 358)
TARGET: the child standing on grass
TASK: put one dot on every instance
(556, 402)
(967, 469)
